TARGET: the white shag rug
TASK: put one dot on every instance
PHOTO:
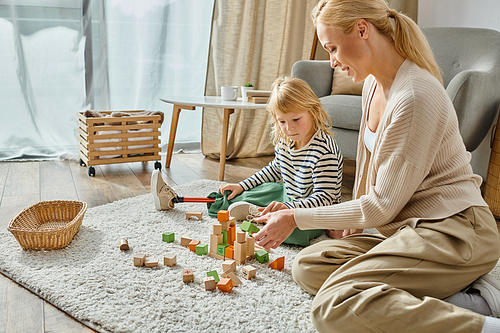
(96, 283)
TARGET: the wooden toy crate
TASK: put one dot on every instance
(109, 140)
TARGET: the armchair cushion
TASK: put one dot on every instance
(343, 85)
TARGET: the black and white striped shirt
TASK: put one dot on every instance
(312, 174)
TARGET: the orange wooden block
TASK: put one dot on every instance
(231, 235)
(229, 252)
(225, 285)
(279, 263)
(223, 215)
(192, 245)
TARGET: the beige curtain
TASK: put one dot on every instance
(252, 41)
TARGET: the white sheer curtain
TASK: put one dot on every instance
(60, 57)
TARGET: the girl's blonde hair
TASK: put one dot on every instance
(290, 94)
(408, 39)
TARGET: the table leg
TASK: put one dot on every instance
(223, 144)
(173, 130)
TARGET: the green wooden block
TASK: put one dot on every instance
(262, 256)
(249, 227)
(202, 249)
(221, 249)
(224, 236)
(168, 237)
(215, 276)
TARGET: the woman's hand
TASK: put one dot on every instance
(234, 188)
(338, 234)
(272, 207)
(279, 225)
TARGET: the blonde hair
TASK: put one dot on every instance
(408, 39)
(290, 94)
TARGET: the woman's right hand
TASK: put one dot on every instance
(234, 188)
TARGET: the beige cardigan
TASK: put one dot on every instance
(419, 168)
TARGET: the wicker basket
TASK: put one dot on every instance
(48, 225)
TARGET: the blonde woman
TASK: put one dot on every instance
(308, 162)
(427, 269)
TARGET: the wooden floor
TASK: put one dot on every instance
(25, 183)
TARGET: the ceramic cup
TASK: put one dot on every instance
(244, 93)
(229, 93)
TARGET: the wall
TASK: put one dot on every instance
(464, 13)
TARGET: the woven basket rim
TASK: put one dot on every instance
(83, 208)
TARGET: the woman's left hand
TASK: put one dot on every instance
(279, 225)
(272, 207)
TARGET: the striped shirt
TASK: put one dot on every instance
(312, 175)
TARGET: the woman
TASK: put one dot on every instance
(414, 183)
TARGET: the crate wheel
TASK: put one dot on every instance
(91, 171)
(157, 165)
(82, 163)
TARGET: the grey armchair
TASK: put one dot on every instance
(469, 59)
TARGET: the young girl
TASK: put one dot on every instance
(308, 163)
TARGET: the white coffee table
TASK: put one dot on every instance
(190, 103)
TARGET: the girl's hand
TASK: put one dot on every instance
(338, 234)
(234, 188)
(272, 207)
(279, 225)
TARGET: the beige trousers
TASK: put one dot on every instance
(368, 283)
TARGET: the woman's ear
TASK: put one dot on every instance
(362, 28)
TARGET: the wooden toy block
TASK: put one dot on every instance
(240, 237)
(225, 285)
(229, 252)
(214, 241)
(240, 251)
(169, 259)
(249, 227)
(214, 275)
(185, 240)
(278, 264)
(248, 272)
(262, 256)
(224, 225)
(187, 275)
(226, 273)
(221, 249)
(216, 229)
(223, 215)
(231, 235)
(209, 283)
(139, 259)
(151, 262)
(192, 245)
(201, 249)
(168, 237)
(234, 278)
(229, 264)
(224, 236)
(124, 245)
(250, 245)
(193, 214)
(232, 221)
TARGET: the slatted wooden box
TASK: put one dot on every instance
(109, 140)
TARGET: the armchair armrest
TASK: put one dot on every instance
(317, 73)
(476, 100)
